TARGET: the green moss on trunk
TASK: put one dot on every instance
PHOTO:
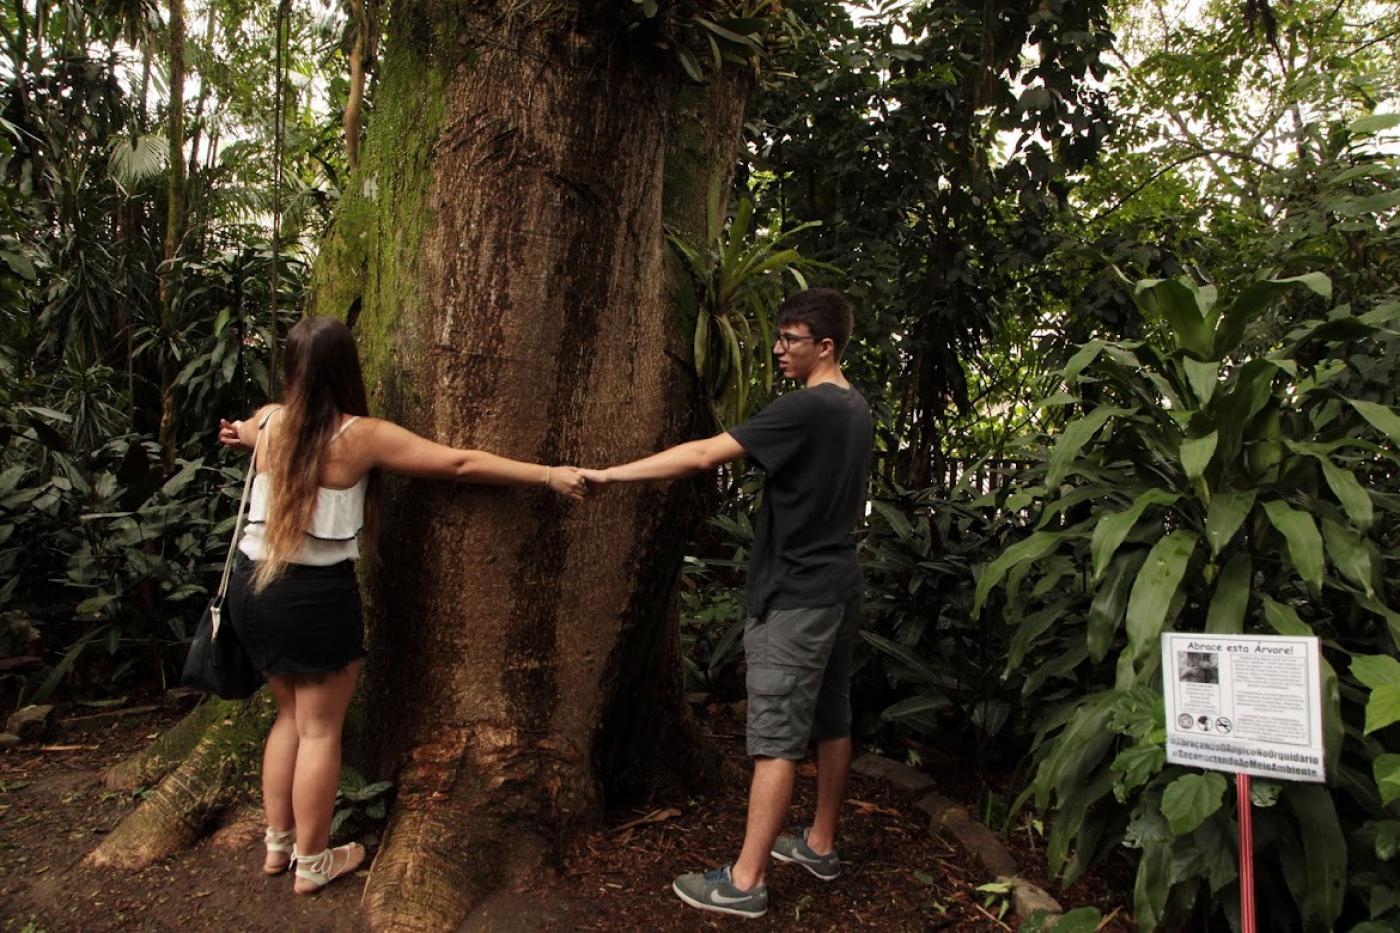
(169, 750)
(366, 273)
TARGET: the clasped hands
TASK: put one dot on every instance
(578, 483)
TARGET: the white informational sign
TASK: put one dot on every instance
(1244, 703)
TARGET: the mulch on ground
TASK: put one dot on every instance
(54, 809)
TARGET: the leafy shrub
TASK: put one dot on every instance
(1201, 491)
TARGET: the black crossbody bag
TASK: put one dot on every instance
(217, 662)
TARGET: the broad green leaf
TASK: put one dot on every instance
(915, 706)
(1383, 708)
(1034, 547)
(1369, 204)
(1355, 500)
(1154, 589)
(1152, 886)
(1255, 299)
(1386, 770)
(1111, 530)
(1196, 453)
(1387, 839)
(60, 670)
(1326, 850)
(1028, 630)
(738, 230)
(896, 519)
(1078, 750)
(1191, 798)
(1383, 419)
(1263, 793)
(1392, 618)
(1304, 541)
(1075, 436)
(691, 65)
(1137, 764)
(1079, 920)
(1081, 359)
(1230, 600)
(1178, 303)
(916, 665)
(1217, 854)
(1375, 123)
(1284, 619)
(1227, 511)
(1376, 670)
(702, 343)
(180, 480)
(95, 604)
(1204, 376)
(1348, 553)
(1110, 601)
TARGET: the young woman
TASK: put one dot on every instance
(294, 603)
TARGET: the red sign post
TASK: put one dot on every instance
(1246, 817)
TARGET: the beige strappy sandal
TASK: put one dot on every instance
(316, 871)
(279, 843)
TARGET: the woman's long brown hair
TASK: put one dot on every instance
(323, 381)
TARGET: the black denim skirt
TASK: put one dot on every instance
(307, 621)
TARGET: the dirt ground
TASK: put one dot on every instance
(53, 810)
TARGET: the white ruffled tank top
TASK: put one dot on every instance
(333, 534)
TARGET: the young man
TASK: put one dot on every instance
(804, 589)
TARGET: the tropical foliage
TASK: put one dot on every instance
(1200, 490)
(1126, 282)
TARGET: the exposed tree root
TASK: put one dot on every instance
(166, 752)
(477, 812)
(216, 772)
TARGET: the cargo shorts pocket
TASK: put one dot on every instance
(770, 703)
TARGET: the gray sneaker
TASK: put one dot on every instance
(795, 849)
(714, 890)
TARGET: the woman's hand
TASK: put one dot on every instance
(230, 434)
(568, 481)
(597, 480)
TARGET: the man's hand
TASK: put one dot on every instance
(229, 434)
(598, 480)
(568, 481)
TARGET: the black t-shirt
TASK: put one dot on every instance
(815, 446)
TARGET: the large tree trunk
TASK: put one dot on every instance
(500, 255)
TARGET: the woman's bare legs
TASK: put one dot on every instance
(279, 764)
(320, 716)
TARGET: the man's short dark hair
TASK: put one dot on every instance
(824, 311)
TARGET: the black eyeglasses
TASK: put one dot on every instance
(787, 340)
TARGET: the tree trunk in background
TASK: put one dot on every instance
(361, 50)
(500, 256)
(174, 228)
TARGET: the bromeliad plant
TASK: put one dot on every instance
(730, 289)
(1198, 491)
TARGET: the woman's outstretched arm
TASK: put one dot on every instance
(399, 450)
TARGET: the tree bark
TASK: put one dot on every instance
(500, 255)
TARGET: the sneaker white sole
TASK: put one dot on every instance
(717, 908)
(810, 870)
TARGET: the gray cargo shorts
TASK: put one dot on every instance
(799, 677)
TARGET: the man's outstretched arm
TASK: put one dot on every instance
(675, 462)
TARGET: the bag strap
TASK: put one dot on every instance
(242, 507)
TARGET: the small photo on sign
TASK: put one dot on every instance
(1198, 667)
